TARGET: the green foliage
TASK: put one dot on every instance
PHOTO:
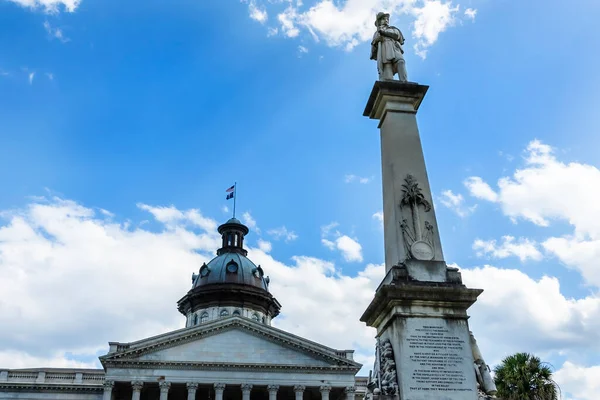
(523, 376)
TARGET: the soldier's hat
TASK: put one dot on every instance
(379, 16)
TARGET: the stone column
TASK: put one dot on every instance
(349, 390)
(164, 389)
(410, 228)
(191, 388)
(219, 389)
(299, 390)
(246, 389)
(137, 389)
(325, 392)
(108, 387)
(273, 391)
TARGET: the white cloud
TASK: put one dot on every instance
(579, 382)
(578, 254)
(471, 13)
(478, 188)
(524, 249)
(225, 209)
(59, 258)
(346, 24)
(455, 202)
(355, 178)
(283, 233)
(326, 229)
(55, 33)
(21, 359)
(516, 312)
(250, 222)
(30, 77)
(302, 49)
(50, 6)
(328, 243)
(433, 18)
(350, 249)
(309, 283)
(256, 13)
(171, 217)
(286, 19)
(264, 246)
(546, 189)
(49, 75)
(379, 217)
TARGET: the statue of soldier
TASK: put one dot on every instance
(386, 48)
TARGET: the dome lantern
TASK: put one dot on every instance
(232, 233)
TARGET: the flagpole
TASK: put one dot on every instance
(234, 197)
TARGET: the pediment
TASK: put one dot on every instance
(230, 342)
(235, 346)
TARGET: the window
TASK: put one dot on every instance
(236, 313)
(232, 267)
(204, 317)
(255, 317)
(204, 271)
(224, 313)
(195, 320)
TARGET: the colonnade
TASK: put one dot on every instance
(219, 388)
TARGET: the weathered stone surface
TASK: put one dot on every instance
(234, 346)
(435, 358)
(409, 221)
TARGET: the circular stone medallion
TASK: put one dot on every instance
(422, 250)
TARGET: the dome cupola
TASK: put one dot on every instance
(230, 284)
(233, 232)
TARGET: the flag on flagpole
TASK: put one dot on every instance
(230, 193)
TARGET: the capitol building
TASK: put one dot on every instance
(228, 349)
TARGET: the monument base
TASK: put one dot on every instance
(426, 325)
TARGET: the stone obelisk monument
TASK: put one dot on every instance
(424, 348)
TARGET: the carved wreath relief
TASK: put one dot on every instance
(384, 379)
(418, 238)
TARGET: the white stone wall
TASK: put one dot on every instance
(214, 313)
(236, 346)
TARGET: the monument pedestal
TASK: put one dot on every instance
(424, 347)
(426, 324)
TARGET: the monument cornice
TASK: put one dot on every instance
(408, 94)
(425, 294)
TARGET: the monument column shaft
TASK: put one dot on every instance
(424, 350)
(410, 227)
(402, 155)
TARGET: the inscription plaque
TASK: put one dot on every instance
(437, 360)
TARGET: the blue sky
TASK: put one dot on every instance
(132, 106)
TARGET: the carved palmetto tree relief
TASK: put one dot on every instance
(413, 197)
